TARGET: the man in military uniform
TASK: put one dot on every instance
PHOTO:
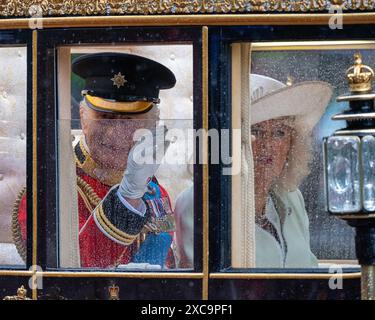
(124, 213)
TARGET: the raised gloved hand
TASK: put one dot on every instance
(143, 161)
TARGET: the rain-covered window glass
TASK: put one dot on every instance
(125, 179)
(13, 156)
(283, 103)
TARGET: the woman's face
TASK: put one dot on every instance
(109, 136)
(270, 148)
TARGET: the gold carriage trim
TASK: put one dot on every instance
(108, 227)
(37, 8)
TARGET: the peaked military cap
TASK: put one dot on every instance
(122, 82)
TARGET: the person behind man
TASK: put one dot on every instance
(125, 215)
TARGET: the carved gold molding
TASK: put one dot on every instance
(27, 8)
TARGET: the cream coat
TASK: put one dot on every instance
(286, 211)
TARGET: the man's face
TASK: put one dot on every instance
(270, 148)
(109, 136)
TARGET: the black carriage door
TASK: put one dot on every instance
(17, 150)
(153, 75)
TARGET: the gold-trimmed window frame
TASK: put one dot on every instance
(27, 8)
(237, 264)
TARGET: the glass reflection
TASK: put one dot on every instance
(13, 155)
(294, 65)
(123, 215)
(368, 165)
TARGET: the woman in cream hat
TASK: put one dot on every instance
(282, 119)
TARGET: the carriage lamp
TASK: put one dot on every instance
(349, 162)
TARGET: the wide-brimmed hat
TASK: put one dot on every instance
(305, 101)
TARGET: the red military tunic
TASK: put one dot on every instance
(94, 242)
(109, 233)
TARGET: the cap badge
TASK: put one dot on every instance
(119, 80)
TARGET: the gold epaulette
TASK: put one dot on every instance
(16, 228)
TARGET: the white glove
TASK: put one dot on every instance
(143, 161)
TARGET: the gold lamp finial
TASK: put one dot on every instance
(21, 292)
(21, 295)
(359, 76)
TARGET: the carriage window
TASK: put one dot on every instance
(13, 156)
(125, 177)
(283, 98)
